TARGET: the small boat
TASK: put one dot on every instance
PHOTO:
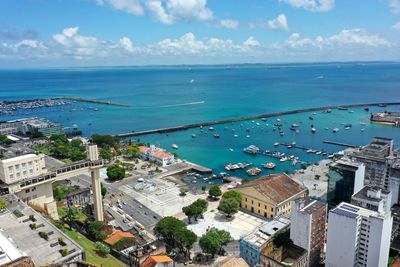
(216, 136)
(258, 124)
(211, 129)
(174, 146)
(335, 130)
(362, 129)
(328, 110)
(193, 136)
(269, 165)
(295, 125)
(289, 146)
(313, 130)
(282, 133)
(318, 153)
(201, 126)
(342, 108)
(348, 125)
(251, 149)
(247, 136)
(366, 108)
(293, 143)
(309, 151)
(362, 123)
(311, 118)
(232, 167)
(235, 135)
(264, 119)
(253, 171)
(351, 111)
(283, 159)
(276, 144)
(347, 128)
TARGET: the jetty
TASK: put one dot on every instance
(95, 101)
(255, 117)
(338, 144)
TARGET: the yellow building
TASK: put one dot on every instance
(271, 195)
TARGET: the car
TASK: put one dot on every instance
(145, 212)
(124, 202)
(154, 216)
(124, 221)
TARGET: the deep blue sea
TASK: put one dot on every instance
(170, 96)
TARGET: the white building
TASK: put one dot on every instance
(21, 167)
(358, 237)
(373, 198)
(156, 154)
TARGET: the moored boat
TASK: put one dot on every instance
(269, 165)
(251, 149)
(174, 146)
(253, 171)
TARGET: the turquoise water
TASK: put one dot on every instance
(170, 96)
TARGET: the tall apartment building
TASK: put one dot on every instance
(345, 177)
(377, 158)
(308, 228)
(358, 237)
(373, 198)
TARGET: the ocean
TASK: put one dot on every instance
(171, 96)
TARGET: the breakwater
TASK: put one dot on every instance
(96, 101)
(254, 117)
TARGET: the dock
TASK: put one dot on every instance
(255, 117)
(95, 101)
(338, 144)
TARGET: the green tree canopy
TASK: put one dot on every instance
(213, 241)
(185, 239)
(132, 151)
(228, 206)
(167, 229)
(214, 191)
(3, 204)
(105, 152)
(103, 140)
(115, 172)
(233, 194)
(195, 209)
(102, 248)
(103, 190)
(94, 230)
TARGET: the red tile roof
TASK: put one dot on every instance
(151, 261)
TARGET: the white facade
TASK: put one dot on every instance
(358, 237)
(21, 167)
(157, 154)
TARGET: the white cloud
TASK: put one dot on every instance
(396, 26)
(313, 5)
(251, 41)
(127, 44)
(130, 6)
(30, 43)
(229, 23)
(394, 6)
(279, 23)
(165, 11)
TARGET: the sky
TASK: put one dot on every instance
(62, 33)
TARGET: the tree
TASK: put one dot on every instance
(60, 191)
(70, 216)
(224, 236)
(103, 190)
(105, 152)
(185, 240)
(94, 230)
(103, 140)
(282, 239)
(167, 228)
(115, 172)
(3, 204)
(131, 151)
(102, 249)
(233, 194)
(214, 191)
(228, 206)
(209, 244)
(195, 209)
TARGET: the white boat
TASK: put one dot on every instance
(347, 128)
(258, 124)
(235, 135)
(283, 159)
(269, 165)
(313, 130)
(247, 136)
(211, 129)
(362, 123)
(293, 143)
(362, 129)
(335, 130)
(231, 149)
(174, 146)
(276, 144)
(193, 136)
(318, 153)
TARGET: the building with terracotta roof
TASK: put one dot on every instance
(156, 154)
(271, 195)
(157, 261)
(116, 236)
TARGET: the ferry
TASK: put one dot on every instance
(253, 171)
(174, 146)
(251, 149)
(269, 165)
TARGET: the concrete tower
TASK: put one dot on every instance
(93, 155)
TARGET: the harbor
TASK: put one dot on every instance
(327, 109)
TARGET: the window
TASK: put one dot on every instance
(11, 176)
(245, 199)
(10, 168)
(272, 209)
(27, 190)
(259, 204)
(252, 202)
(17, 167)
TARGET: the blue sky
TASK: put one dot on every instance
(135, 32)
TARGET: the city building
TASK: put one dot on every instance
(80, 198)
(159, 155)
(252, 244)
(158, 261)
(232, 262)
(286, 255)
(308, 228)
(270, 196)
(20, 226)
(345, 177)
(358, 237)
(377, 158)
(373, 198)
(25, 125)
(394, 180)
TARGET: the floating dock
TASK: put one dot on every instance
(269, 115)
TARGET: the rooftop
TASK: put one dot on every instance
(353, 211)
(371, 193)
(152, 261)
(309, 205)
(278, 187)
(263, 233)
(232, 262)
(346, 164)
(15, 226)
(379, 149)
(116, 236)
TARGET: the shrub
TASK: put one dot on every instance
(61, 241)
(44, 235)
(32, 218)
(64, 252)
(33, 226)
(102, 249)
